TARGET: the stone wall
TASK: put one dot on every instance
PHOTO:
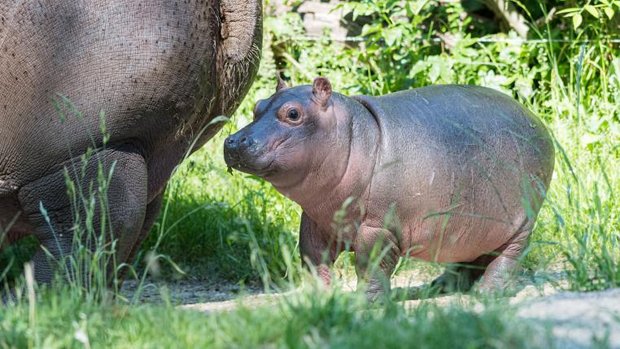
(317, 16)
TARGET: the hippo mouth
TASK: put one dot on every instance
(255, 166)
(254, 159)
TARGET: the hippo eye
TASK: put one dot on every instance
(293, 114)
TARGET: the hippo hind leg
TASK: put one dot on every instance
(462, 277)
(494, 269)
(505, 264)
(52, 212)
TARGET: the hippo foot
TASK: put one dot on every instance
(504, 289)
(456, 279)
(7, 296)
(499, 279)
(376, 292)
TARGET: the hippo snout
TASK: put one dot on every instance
(238, 143)
(235, 147)
(243, 152)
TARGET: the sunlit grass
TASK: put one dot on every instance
(306, 319)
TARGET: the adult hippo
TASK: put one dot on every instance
(440, 173)
(159, 70)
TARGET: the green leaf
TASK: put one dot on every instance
(524, 87)
(368, 29)
(420, 66)
(609, 12)
(577, 19)
(592, 10)
(568, 12)
(409, 10)
(391, 35)
(433, 75)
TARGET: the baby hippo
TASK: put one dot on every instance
(451, 174)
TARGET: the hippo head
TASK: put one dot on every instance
(290, 136)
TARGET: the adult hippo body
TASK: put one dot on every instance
(440, 173)
(156, 72)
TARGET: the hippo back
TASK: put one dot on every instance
(460, 158)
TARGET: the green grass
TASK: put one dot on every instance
(308, 319)
(222, 225)
(582, 216)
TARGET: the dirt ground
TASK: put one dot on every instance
(577, 320)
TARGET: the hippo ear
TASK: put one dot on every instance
(322, 91)
(281, 83)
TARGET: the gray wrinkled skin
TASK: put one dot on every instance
(440, 173)
(160, 70)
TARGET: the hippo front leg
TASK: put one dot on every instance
(376, 256)
(315, 248)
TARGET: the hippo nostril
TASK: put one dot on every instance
(239, 143)
(231, 144)
(247, 142)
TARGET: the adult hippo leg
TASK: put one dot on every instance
(315, 248)
(52, 212)
(152, 212)
(375, 272)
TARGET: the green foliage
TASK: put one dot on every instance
(222, 225)
(601, 12)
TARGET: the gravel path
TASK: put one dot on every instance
(580, 320)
